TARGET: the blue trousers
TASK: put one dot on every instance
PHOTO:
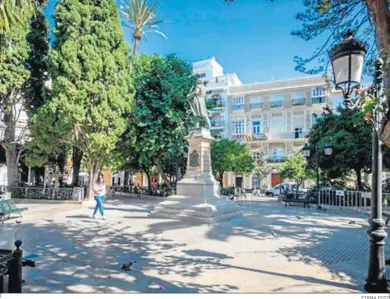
(99, 205)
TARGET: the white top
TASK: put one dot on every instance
(99, 190)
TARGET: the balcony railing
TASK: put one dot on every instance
(288, 135)
(217, 123)
(239, 137)
(256, 105)
(298, 102)
(276, 104)
(238, 107)
(277, 158)
(318, 100)
(260, 136)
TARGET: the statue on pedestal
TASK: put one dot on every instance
(196, 99)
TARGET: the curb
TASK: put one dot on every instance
(46, 201)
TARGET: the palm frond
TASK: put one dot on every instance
(140, 16)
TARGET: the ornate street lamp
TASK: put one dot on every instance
(347, 62)
(306, 151)
(328, 150)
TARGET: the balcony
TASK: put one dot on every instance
(276, 158)
(238, 107)
(287, 135)
(261, 136)
(256, 106)
(298, 102)
(217, 123)
(239, 137)
(318, 100)
(276, 104)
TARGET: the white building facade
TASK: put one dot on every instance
(271, 117)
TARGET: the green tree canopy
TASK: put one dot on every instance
(13, 75)
(351, 137)
(229, 155)
(92, 83)
(162, 115)
(295, 169)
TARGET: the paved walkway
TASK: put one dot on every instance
(270, 249)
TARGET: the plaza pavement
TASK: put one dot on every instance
(270, 249)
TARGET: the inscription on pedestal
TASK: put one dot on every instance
(194, 159)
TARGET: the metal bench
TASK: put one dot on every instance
(8, 207)
(302, 198)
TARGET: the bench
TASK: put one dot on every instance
(302, 198)
(8, 207)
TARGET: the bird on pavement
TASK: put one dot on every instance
(18, 221)
(273, 233)
(299, 217)
(126, 267)
(352, 222)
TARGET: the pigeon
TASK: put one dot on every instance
(273, 233)
(298, 217)
(18, 221)
(352, 222)
(126, 267)
(29, 263)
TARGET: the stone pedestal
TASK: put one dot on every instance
(197, 195)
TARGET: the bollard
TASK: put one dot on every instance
(15, 270)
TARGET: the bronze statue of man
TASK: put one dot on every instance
(196, 99)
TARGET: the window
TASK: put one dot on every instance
(277, 100)
(256, 102)
(298, 120)
(256, 127)
(298, 98)
(277, 123)
(318, 92)
(318, 95)
(277, 154)
(238, 127)
(238, 103)
(315, 117)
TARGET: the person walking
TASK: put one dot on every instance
(99, 190)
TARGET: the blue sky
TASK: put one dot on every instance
(250, 37)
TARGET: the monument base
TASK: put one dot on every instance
(211, 211)
(198, 192)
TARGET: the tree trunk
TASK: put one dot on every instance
(381, 17)
(12, 165)
(358, 179)
(77, 156)
(9, 145)
(149, 183)
(136, 46)
(163, 175)
(220, 179)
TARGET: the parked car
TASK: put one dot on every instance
(276, 190)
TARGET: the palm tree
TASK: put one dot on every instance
(15, 12)
(141, 18)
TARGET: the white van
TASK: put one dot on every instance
(276, 190)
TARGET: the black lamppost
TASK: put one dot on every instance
(328, 149)
(347, 62)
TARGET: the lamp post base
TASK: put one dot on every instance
(379, 287)
(376, 281)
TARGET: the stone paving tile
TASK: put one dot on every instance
(270, 249)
